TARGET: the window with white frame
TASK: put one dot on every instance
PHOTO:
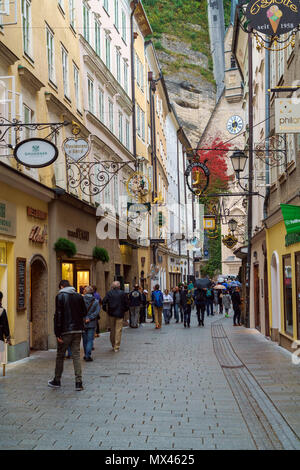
(125, 75)
(101, 105)
(124, 25)
(118, 64)
(105, 5)
(107, 51)
(97, 37)
(90, 95)
(77, 87)
(137, 70)
(27, 119)
(138, 120)
(26, 25)
(120, 127)
(62, 5)
(110, 115)
(50, 54)
(143, 125)
(65, 70)
(116, 5)
(116, 193)
(72, 13)
(86, 22)
(127, 134)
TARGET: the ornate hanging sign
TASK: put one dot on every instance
(197, 177)
(273, 17)
(138, 185)
(36, 153)
(230, 241)
(76, 149)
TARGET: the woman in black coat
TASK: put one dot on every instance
(4, 328)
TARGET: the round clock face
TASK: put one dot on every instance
(235, 124)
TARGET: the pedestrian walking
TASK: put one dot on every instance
(98, 298)
(220, 302)
(236, 304)
(90, 322)
(176, 303)
(186, 304)
(70, 311)
(4, 327)
(135, 303)
(143, 308)
(200, 302)
(116, 304)
(209, 302)
(167, 304)
(157, 302)
(226, 300)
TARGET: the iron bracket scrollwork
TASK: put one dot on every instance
(19, 126)
(92, 177)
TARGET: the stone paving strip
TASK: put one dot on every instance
(268, 428)
(164, 390)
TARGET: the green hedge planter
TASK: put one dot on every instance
(100, 254)
(64, 246)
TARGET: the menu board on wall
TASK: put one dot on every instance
(21, 284)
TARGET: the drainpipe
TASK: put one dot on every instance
(134, 5)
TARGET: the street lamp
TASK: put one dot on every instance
(232, 224)
(238, 160)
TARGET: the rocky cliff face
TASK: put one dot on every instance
(192, 95)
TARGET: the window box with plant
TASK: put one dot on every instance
(100, 254)
(65, 247)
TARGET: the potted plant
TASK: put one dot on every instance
(65, 247)
(100, 254)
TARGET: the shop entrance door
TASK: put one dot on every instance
(39, 304)
(83, 280)
(256, 296)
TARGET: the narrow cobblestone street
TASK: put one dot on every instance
(216, 387)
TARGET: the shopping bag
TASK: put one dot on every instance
(150, 311)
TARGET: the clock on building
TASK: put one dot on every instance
(235, 124)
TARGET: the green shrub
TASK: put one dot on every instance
(65, 246)
(101, 254)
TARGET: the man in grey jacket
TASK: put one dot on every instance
(90, 322)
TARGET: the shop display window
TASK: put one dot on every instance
(287, 289)
(68, 272)
(3, 253)
(297, 265)
(83, 280)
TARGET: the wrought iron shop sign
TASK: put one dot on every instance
(197, 177)
(287, 116)
(273, 17)
(36, 153)
(76, 149)
(230, 241)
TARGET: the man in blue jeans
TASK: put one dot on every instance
(209, 302)
(90, 322)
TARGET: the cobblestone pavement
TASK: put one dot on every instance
(166, 389)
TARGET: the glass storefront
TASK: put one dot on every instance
(68, 272)
(297, 267)
(287, 290)
(83, 280)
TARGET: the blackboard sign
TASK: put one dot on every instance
(21, 284)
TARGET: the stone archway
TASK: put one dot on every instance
(39, 304)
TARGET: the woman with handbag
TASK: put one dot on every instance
(4, 327)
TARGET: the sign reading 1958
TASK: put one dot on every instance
(273, 17)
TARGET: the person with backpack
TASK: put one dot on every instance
(186, 304)
(157, 303)
(200, 302)
(209, 302)
(135, 303)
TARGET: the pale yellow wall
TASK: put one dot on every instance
(21, 247)
(275, 237)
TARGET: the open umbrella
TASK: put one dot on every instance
(220, 287)
(204, 283)
(235, 284)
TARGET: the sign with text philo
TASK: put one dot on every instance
(287, 116)
(8, 218)
(36, 153)
(76, 148)
(273, 17)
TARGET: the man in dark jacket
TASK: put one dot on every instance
(68, 327)
(135, 302)
(200, 302)
(236, 304)
(186, 304)
(115, 303)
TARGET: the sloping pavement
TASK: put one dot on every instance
(166, 389)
